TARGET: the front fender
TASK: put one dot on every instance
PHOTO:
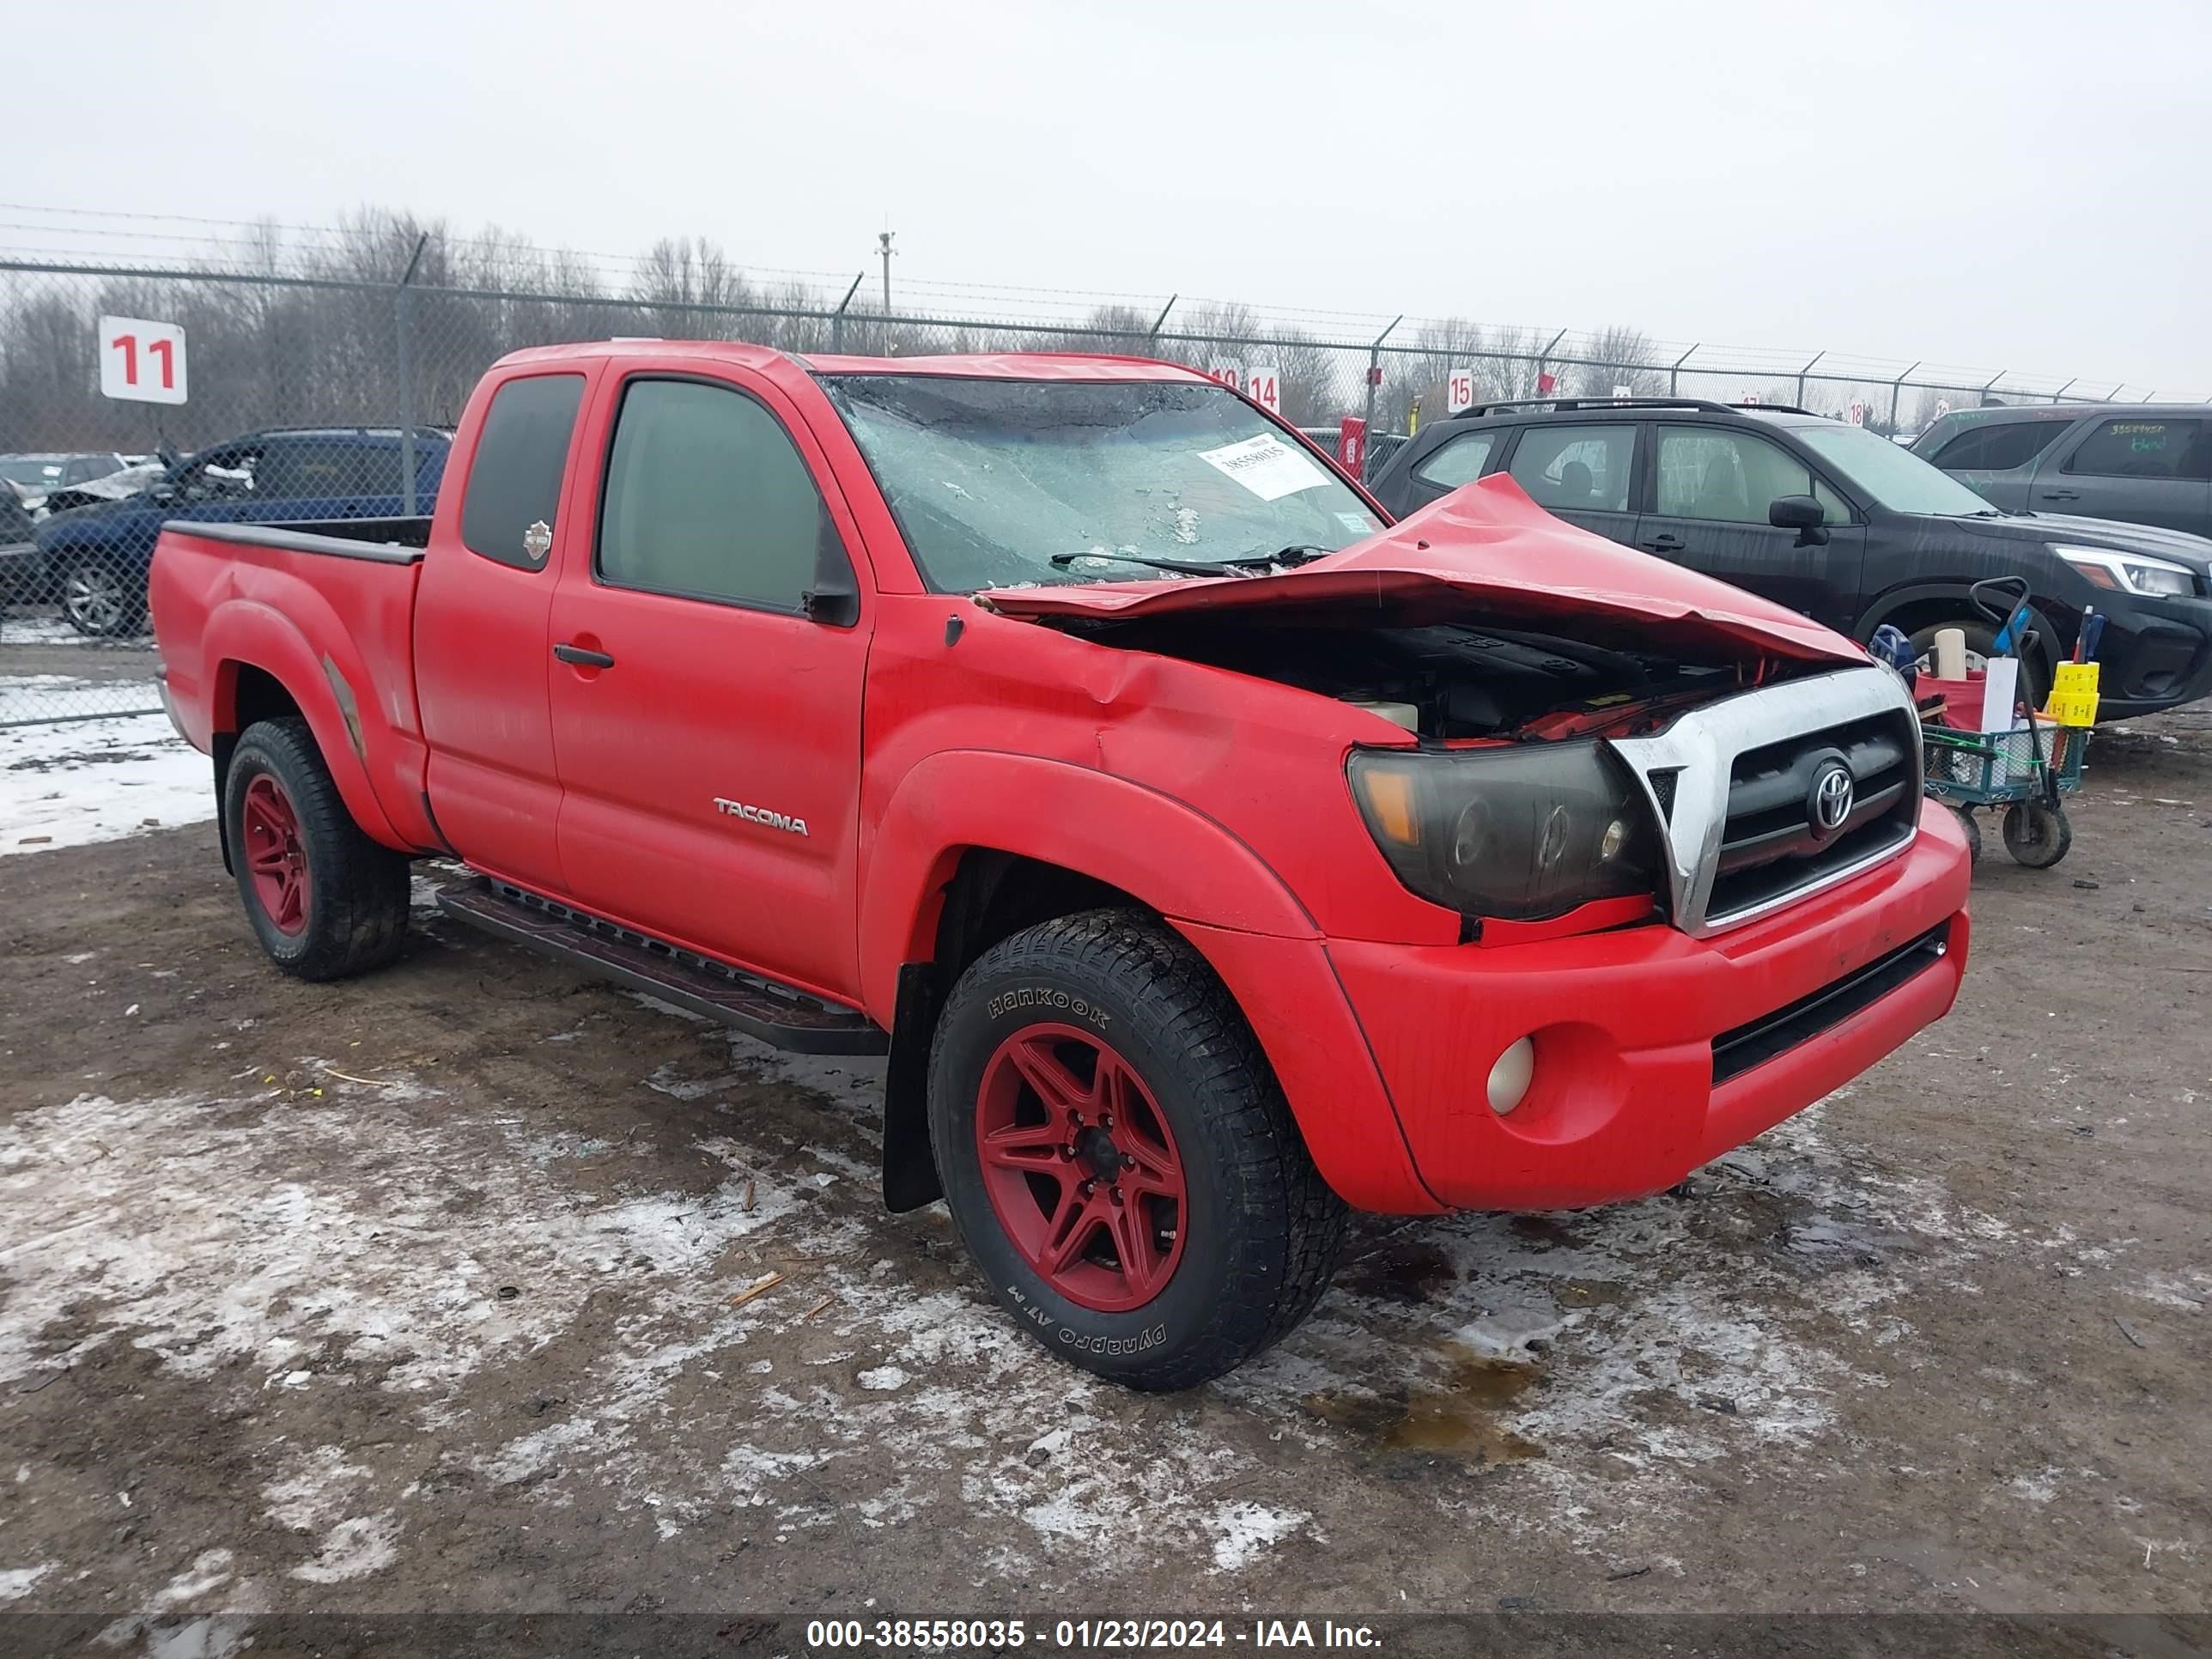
(1182, 863)
(1218, 893)
(242, 634)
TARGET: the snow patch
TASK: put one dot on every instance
(354, 1549)
(178, 1223)
(1244, 1532)
(209, 1571)
(302, 1501)
(81, 781)
(15, 1582)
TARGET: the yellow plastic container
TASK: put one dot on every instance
(2073, 699)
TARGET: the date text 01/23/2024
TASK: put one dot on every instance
(954, 1635)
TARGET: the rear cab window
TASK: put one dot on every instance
(2145, 446)
(513, 489)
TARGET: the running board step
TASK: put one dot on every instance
(759, 1007)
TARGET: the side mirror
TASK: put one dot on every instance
(1802, 513)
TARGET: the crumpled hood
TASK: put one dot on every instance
(1484, 552)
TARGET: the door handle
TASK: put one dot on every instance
(1666, 543)
(583, 657)
(2061, 495)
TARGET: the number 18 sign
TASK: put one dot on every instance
(142, 362)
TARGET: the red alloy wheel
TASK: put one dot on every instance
(274, 855)
(1081, 1167)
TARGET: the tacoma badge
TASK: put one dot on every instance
(738, 809)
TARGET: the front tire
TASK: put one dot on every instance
(1982, 646)
(1118, 1157)
(325, 900)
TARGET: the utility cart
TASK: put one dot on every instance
(2027, 771)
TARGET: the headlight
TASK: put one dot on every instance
(2130, 573)
(1515, 833)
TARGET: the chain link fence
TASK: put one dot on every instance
(317, 392)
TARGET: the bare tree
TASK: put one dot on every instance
(1617, 355)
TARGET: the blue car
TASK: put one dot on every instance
(97, 556)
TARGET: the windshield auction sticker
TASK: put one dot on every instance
(1266, 465)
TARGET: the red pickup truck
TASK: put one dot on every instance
(1208, 853)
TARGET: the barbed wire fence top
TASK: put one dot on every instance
(328, 364)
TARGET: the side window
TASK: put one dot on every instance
(375, 468)
(2133, 447)
(515, 483)
(1999, 446)
(289, 472)
(1583, 468)
(1459, 462)
(707, 497)
(1732, 476)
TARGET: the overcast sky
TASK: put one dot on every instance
(2015, 185)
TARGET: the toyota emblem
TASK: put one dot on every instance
(1831, 803)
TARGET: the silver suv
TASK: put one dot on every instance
(2138, 463)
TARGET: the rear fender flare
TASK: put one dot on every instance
(241, 633)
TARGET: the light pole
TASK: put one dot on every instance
(883, 247)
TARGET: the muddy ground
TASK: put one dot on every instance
(429, 1292)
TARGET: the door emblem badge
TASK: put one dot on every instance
(538, 541)
(1830, 804)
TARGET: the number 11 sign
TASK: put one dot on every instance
(142, 362)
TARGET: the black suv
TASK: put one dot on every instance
(1837, 522)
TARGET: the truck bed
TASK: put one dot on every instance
(328, 611)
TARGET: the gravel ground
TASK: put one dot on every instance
(451, 1289)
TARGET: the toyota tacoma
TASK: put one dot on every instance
(1209, 855)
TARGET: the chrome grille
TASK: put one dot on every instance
(1731, 783)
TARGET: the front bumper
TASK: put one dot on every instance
(1624, 1099)
(2156, 653)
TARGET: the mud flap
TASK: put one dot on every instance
(909, 1165)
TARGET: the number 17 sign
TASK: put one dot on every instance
(142, 362)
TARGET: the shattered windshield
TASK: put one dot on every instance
(992, 481)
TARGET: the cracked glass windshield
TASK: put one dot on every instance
(1004, 484)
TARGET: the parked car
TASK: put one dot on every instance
(38, 476)
(1381, 446)
(1472, 863)
(1838, 524)
(96, 555)
(2139, 463)
(15, 522)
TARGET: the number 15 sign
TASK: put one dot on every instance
(142, 362)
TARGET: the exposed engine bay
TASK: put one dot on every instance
(1448, 680)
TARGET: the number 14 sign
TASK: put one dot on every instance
(142, 362)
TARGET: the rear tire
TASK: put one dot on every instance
(1157, 1136)
(326, 900)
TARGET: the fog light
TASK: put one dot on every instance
(1509, 1077)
